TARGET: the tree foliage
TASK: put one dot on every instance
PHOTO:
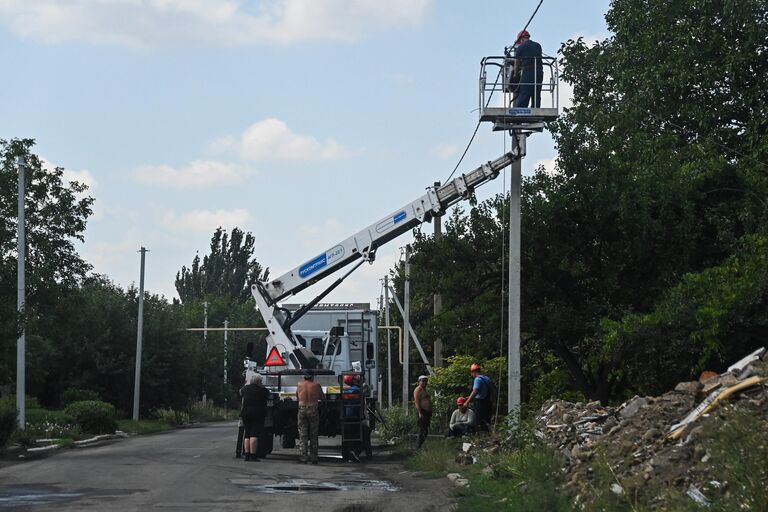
(661, 185)
(56, 213)
(228, 271)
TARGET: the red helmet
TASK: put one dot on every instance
(460, 401)
(474, 368)
(348, 379)
(522, 34)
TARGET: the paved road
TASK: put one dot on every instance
(195, 469)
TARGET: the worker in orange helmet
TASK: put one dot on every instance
(531, 70)
(463, 421)
(480, 397)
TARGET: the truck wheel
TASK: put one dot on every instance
(288, 442)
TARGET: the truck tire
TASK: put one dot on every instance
(288, 442)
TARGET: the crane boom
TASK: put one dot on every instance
(364, 244)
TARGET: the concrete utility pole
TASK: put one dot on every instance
(380, 383)
(139, 330)
(513, 348)
(226, 330)
(437, 298)
(389, 349)
(406, 323)
(21, 373)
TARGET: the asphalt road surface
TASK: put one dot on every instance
(195, 469)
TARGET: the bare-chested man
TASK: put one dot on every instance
(309, 394)
(423, 404)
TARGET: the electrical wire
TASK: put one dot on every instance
(477, 127)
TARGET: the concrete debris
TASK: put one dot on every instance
(652, 443)
(740, 365)
(696, 495)
(457, 479)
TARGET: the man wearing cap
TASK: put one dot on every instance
(462, 420)
(423, 404)
(528, 63)
(480, 397)
(309, 393)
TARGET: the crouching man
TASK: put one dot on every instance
(463, 420)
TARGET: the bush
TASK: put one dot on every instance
(454, 380)
(72, 395)
(172, 416)
(396, 424)
(8, 418)
(36, 416)
(207, 411)
(94, 417)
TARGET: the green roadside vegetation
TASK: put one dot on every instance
(144, 426)
(82, 419)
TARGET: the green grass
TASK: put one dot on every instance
(143, 426)
(526, 480)
(66, 442)
(436, 458)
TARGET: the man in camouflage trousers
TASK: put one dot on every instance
(309, 394)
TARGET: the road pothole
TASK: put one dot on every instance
(306, 486)
(24, 496)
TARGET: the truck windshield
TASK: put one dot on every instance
(316, 345)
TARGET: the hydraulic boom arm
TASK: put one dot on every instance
(364, 243)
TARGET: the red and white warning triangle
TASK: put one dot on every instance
(274, 358)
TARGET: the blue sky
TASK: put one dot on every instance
(301, 121)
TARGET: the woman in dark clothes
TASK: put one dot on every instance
(253, 411)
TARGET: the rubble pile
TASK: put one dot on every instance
(650, 443)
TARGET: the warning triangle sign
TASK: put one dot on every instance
(274, 358)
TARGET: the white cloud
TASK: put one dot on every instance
(445, 150)
(83, 175)
(550, 164)
(205, 221)
(151, 23)
(198, 174)
(272, 139)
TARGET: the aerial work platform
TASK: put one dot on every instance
(497, 98)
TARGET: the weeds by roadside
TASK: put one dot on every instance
(144, 426)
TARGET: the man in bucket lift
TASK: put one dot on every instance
(531, 71)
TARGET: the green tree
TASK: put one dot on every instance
(88, 341)
(660, 172)
(56, 213)
(228, 271)
(661, 175)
